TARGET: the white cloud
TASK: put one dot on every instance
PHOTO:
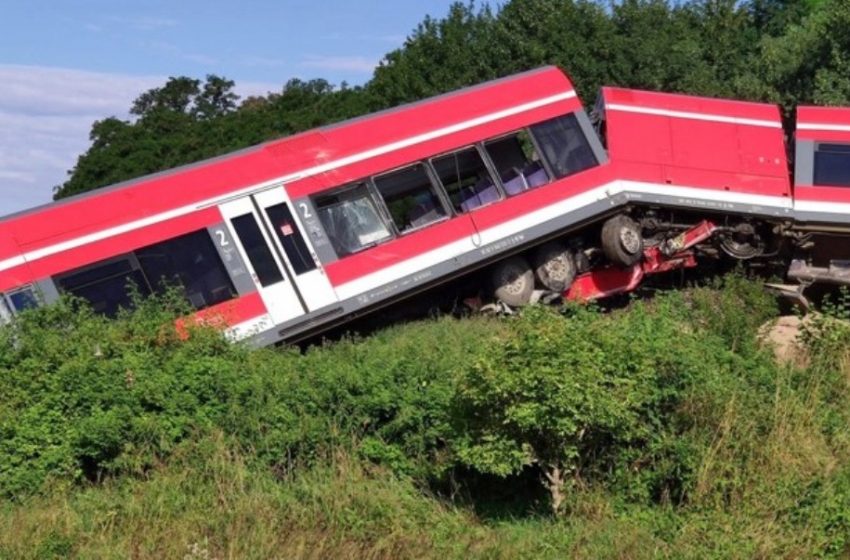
(42, 90)
(360, 64)
(45, 118)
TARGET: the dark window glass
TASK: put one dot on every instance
(564, 145)
(191, 262)
(96, 272)
(105, 285)
(23, 299)
(290, 237)
(351, 219)
(517, 162)
(466, 179)
(258, 250)
(832, 165)
(410, 197)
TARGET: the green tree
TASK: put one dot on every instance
(810, 61)
(440, 55)
(216, 98)
(176, 95)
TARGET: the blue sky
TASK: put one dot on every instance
(66, 63)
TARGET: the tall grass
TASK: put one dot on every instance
(356, 448)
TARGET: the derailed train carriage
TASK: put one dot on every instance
(512, 177)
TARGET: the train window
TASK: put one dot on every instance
(832, 165)
(257, 248)
(410, 197)
(564, 145)
(23, 298)
(290, 237)
(191, 262)
(466, 179)
(517, 162)
(104, 284)
(351, 219)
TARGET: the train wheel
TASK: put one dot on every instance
(554, 266)
(513, 281)
(743, 244)
(621, 240)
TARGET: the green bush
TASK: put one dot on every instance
(668, 422)
(83, 397)
(626, 399)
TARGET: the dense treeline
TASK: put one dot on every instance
(784, 51)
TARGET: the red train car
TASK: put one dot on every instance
(681, 158)
(295, 235)
(686, 165)
(689, 151)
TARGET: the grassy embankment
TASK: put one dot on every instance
(674, 435)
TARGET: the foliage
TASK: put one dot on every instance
(677, 434)
(557, 393)
(592, 398)
(124, 393)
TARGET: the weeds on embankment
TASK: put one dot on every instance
(660, 430)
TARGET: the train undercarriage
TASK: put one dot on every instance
(615, 256)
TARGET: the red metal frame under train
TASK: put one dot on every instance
(511, 177)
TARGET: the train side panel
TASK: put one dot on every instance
(693, 152)
(129, 226)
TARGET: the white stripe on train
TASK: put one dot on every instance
(824, 127)
(692, 116)
(821, 207)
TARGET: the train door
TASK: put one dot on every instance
(278, 292)
(295, 248)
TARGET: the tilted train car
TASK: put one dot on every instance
(291, 237)
(679, 159)
(295, 235)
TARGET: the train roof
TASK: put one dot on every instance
(693, 105)
(695, 141)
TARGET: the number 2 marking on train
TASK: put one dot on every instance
(222, 238)
(305, 210)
